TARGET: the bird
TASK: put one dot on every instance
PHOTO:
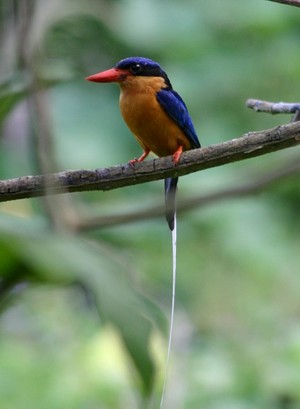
(156, 115)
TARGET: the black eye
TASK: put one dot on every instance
(136, 69)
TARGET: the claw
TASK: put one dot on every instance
(132, 162)
(177, 154)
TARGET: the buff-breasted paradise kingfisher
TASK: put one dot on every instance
(155, 113)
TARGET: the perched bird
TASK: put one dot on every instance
(155, 113)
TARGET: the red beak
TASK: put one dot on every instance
(112, 75)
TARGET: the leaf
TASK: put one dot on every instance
(48, 257)
(11, 92)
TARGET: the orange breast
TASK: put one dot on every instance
(149, 123)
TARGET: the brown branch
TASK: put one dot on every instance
(249, 145)
(295, 3)
(255, 186)
(273, 107)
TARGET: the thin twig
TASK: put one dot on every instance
(248, 146)
(273, 107)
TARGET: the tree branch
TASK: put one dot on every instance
(248, 146)
(275, 107)
(295, 3)
(255, 186)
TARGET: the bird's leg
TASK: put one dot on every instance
(140, 159)
(177, 154)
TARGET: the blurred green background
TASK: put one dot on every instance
(85, 313)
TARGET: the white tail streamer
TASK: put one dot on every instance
(174, 262)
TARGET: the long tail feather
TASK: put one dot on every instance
(170, 200)
(174, 257)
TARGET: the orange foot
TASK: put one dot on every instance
(132, 162)
(177, 154)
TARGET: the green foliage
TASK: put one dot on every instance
(40, 257)
(84, 314)
(11, 92)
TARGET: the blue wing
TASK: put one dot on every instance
(175, 107)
